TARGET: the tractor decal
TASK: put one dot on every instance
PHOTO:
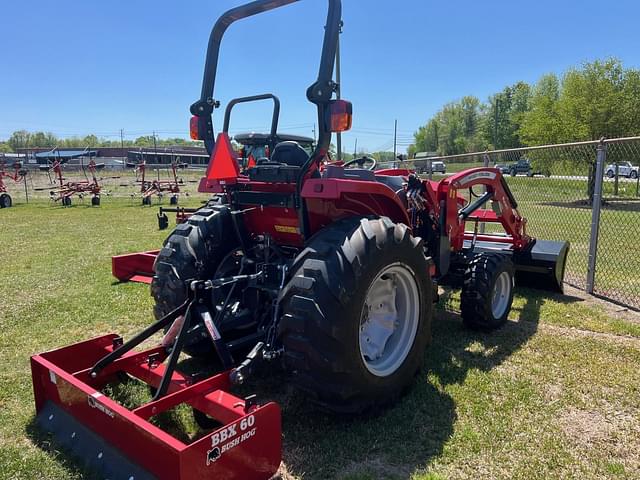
(233, 435)
(475, 176)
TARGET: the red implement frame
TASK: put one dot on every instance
(156, 187)
(16, 176)
(68, 189)
(134, 267)
(247, 446)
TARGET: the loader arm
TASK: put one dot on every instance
(504, 208)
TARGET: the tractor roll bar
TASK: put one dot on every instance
(319, 93)
(254, 98)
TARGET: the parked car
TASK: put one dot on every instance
(625, 169)
(522, 166)
(436, 167)
(503, 167)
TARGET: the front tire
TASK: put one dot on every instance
(634, 174)
(357, 279)
(487, 291)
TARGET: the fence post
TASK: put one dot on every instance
(601, 158)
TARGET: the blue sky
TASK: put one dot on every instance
(75, 68)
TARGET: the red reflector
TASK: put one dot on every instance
(252, 161)
(224, 162)
(193, 128)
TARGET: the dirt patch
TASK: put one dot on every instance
(611, 308)
(627, 341)
(586, 428)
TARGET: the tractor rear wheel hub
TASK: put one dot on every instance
(389, 321)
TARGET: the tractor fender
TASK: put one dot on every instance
(335, 198)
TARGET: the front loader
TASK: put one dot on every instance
(327, 270)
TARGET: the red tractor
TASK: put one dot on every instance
(330, 271)
(18, 174)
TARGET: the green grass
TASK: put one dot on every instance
(554, 394)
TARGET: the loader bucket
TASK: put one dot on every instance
(542, 266)
(134, 267)
(122, 443)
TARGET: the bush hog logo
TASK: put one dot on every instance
(93, 403)
(213, 455)
(229, 437)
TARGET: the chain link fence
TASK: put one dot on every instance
(587, 193)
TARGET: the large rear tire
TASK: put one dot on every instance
(193, 251)
(487, 291)
(357, 314)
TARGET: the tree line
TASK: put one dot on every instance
(597, 99)
(23, 139)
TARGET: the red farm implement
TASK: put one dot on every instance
(157, 187)
(328, 270)
(17, 176)
(67, 189)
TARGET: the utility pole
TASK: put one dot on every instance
(155, 147)
(495, 125)
(338, 76)
(395, 140)
(155, 153)
(314, 133)
(124, 162)
(355, 148)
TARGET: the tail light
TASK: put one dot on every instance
(193, 128)
(339, 116)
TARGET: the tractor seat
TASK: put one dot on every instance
(334, 171)
(289, 153)
(285, 164)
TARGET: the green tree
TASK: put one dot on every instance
(454, 129)
(19, 139)
(144, 141)
(504, 115)
(592, 101)
(542, 124)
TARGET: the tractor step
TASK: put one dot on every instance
(123, 443)
(134, 267)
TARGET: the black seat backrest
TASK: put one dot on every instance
(289, 153)
(336, 171)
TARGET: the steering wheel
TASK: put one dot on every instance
(360, 162)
